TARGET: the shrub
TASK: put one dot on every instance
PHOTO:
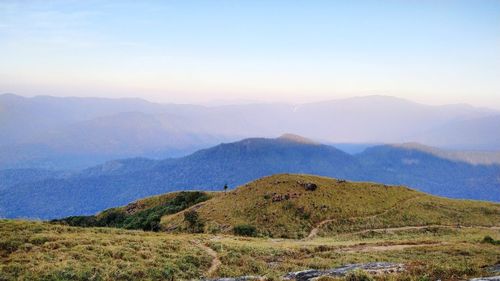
(39, 240)
(10, 246)
(189, 264)
(84, 221)
(195, 224)
(147, 220)
(168, 272)
(488, 239)
(245, 230)
(111, 218)
(191, 217)
(213, 228)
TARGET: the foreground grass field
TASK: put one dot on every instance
(43, 251)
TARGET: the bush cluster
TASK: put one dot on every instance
(148, 219)
(488, 239)
(245, 230)
(195, 224)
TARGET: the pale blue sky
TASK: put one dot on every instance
(196, 51)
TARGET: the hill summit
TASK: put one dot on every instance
(297, 139)
(298, 206)
(295, 206)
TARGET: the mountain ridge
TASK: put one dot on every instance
(472, 157)
(121, 181)
(46, 132)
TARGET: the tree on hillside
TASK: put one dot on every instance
(225, 187)
(194, 222)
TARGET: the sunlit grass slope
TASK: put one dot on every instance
(42, 251)
(281, 206)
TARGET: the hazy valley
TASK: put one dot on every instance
(75, 133)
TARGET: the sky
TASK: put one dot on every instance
(184, 51)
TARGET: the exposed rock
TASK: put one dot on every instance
(492, 278)
(281, 197)
(495, 268)
(277, 198)
(374, 268)
(341, 181)
(310, 186)
(304, 275)
(133, 208)
(279, 182)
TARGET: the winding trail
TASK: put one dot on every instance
(402, 228)
(314, 232)
(391, 247)
(215, 258)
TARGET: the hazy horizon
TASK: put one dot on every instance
(226, 102)
(200, 52)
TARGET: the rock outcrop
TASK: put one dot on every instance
(310, 186)
(374, 268)
(492, 278)
(495, 268)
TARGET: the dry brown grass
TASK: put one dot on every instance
(42, 251)
(336, 206)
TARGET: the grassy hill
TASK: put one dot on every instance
(339, 222)
(281, 206)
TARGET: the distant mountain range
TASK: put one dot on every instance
(74, 133)
(41, 195)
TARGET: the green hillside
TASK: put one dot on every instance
(143, 214)
(281, 206)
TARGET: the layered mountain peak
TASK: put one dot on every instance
(296, 138)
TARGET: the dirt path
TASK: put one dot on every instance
(318, 226)
(402, 228)
(316, 229)
(380, 248)
(215, 258)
